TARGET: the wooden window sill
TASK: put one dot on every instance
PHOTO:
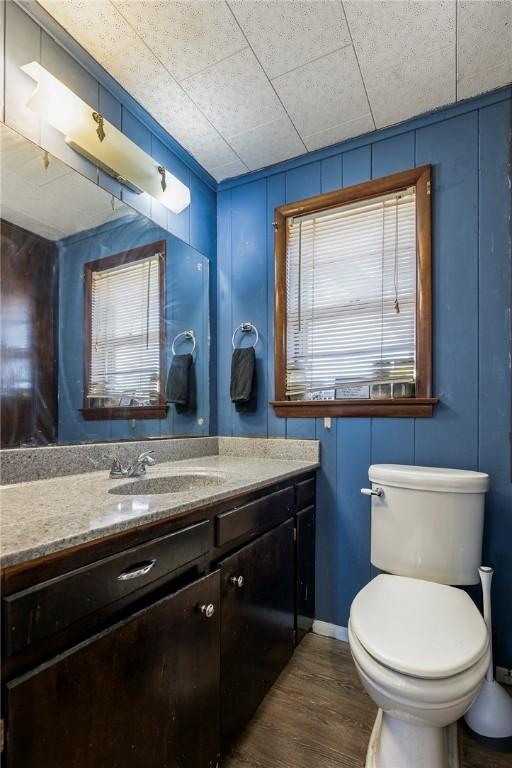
(420, 407)
(129, 412)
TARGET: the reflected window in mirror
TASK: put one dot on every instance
(124, 322)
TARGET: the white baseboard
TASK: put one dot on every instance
(330, 630)
(504, 675)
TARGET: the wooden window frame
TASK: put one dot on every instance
(158, 411)
(422, 404)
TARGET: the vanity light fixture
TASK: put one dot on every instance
(91, 135)
(161, 171)
(100, 121)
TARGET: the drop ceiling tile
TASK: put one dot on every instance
(209, 149)
(285, 35)
(35, 171)
(84, 196)
(484, 46)
(95, 24)
(270, 143)
(348, 130)
(235, 94)
(187, 124)
(15, 152)
(27, 221)
(390, 33)
(41, 219)
(27, 161)
(228, 171)
(186, 36)
(484, 80)
(323, 93)
(189, 65)
(142, 75)
(400, 92)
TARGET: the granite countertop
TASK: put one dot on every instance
(45, 516)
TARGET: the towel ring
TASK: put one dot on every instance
(245, 328)
(187, 335)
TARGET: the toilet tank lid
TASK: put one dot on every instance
(429, 478)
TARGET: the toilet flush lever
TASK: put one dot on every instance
(372, 492)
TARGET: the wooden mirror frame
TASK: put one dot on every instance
(159, 410)
(422, 404)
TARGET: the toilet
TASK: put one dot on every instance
(419, 643)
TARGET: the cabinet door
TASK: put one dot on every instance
(257, 625)
(305, 571)
(142, 693)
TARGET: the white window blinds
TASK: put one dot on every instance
(351, 295)
(125, 334)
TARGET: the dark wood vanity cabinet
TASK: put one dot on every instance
(60, 604)
(142, 693)
(257, 624)
(155, 649)
(305, 582)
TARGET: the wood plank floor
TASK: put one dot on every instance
(317, 715)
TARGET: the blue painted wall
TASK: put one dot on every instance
(469, 148)
(187, 307)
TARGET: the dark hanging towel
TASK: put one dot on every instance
(181, 384)
(243, 388)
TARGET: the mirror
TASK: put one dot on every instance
(98, 302)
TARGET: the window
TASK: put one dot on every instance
(353, 301)
(124, 324)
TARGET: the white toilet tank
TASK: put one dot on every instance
(428, 522)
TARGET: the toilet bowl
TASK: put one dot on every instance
(421, 651)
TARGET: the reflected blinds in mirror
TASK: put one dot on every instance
(125, 334)
(351, 295)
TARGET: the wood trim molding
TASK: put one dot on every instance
(402, 408)
(129, 412)
(422, 404)
(280, 305)
(424, 283)
(158, 410)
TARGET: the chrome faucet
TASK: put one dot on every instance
(117, 469)
(137, 469)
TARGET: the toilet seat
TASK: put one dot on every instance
(415, 693)
(418, 628)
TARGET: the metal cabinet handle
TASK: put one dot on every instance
(372, 492)
(138, 570)
(207, 610)
(238, 581)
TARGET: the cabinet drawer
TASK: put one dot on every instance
(255, 517)
(305, 493)
(41, 611)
